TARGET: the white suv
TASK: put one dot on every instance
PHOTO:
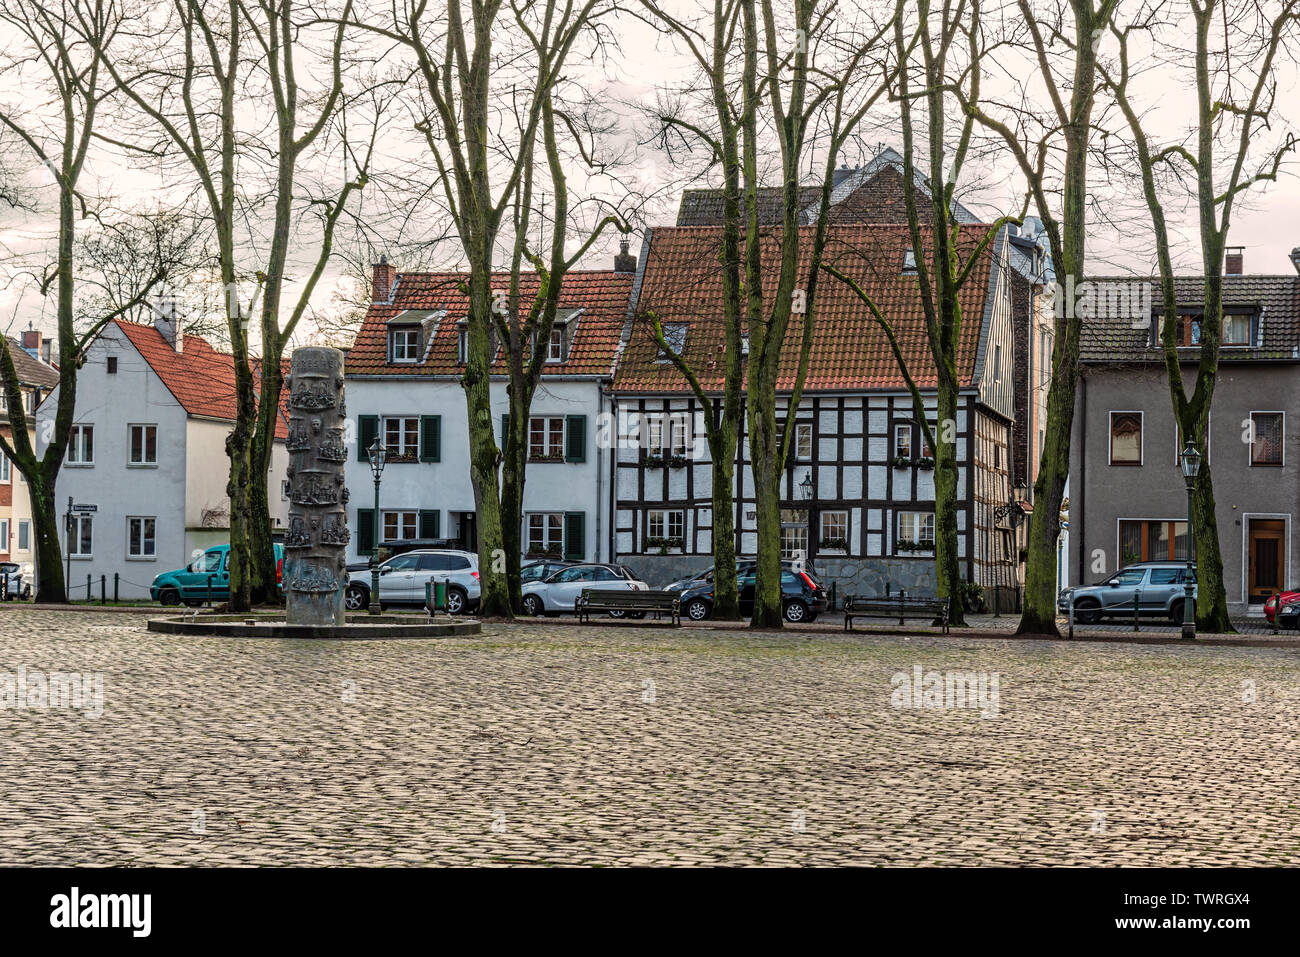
(402, 580)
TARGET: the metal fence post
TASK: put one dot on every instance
(103, 589)
(88, 588)
(115, 582)
(1070, 606)
(1137, 598)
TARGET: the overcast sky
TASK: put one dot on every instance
(1268, 226)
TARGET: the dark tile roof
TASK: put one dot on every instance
(602, 295)
(1117, 327)
(31, 371)
(682, 284)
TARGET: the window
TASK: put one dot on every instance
(545, 533)
(677, 429)
(80, 536)
(794, 533)
(143, 445)
(668, 433)
(916, 529)
(666, 525)
(140, 537)
(112, 365)
(399, 525)
(404, 344)
(24, 535)
(675, 336)
(546, 438)
(402, 438)
(1126, 438)
(81, 445)
(1236, 330)
(1266, 431)
(803, 440)
(997, 363)
(909, 262)
(462, 343)
(4, 468)
(1151, 541)
(902, 441)
(557, 349)
(835, 530)
(4, 535)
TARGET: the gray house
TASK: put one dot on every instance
(1128, 501)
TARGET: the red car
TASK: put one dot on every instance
(1270, 606)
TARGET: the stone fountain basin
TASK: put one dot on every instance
(363, 627)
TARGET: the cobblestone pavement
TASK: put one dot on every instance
(551, 743)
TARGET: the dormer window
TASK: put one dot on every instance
(909, 263)
(462, 342)
(675, 336)
(557, 350)
(1239, 329)
(404, 344)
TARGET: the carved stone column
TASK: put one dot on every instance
(314, 546)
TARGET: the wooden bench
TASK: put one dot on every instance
(899, 606)
(629, 602)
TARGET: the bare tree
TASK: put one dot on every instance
(1050, 145)
(1227, 132)
(783, 102)
(944, 256)
(57, 128)
(196, 72)
(489, 78)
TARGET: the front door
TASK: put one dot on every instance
(1264, 559)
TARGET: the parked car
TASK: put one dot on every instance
(1160, 585)
(1289, 616)
(402, 579)
(543, 569)
(802, 597)
(18, 581)
(190, 584)
(743, 565)
(1283, 598)
(560, 592)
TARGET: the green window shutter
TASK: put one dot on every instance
(367, 429)
(575, 438)
(505, 427)
(575, 535)
(429, 519)
(365, 531)
(430, 438)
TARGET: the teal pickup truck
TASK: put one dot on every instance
(190, 584)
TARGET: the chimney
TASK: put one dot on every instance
(624, 261)
(32, 342)
(168, 323)
(1295, 258)
(1234, 260)
(385, 277)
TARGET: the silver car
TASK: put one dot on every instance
(1158, 588)
(561, 591)
(402, 580)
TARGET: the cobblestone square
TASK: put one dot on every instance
(547, 743)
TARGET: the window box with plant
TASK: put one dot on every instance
(653, 461)
(901, 462)
(677, 462)
(833, 545)
(925, 465)
(924, 545)
(663, 545)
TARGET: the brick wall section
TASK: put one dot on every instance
(880, 200)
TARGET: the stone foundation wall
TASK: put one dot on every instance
(859, 576)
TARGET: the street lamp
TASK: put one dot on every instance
(1190, 460)
(378, 454)
(805, 487)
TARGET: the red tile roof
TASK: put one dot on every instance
(683, 283)
(200, 378)
(602, 295)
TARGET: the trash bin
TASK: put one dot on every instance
(435, 595)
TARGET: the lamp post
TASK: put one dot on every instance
(1013, 515)
(378, 454)
(1190, 460)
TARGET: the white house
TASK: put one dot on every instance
(403, 383)
(147, 449)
